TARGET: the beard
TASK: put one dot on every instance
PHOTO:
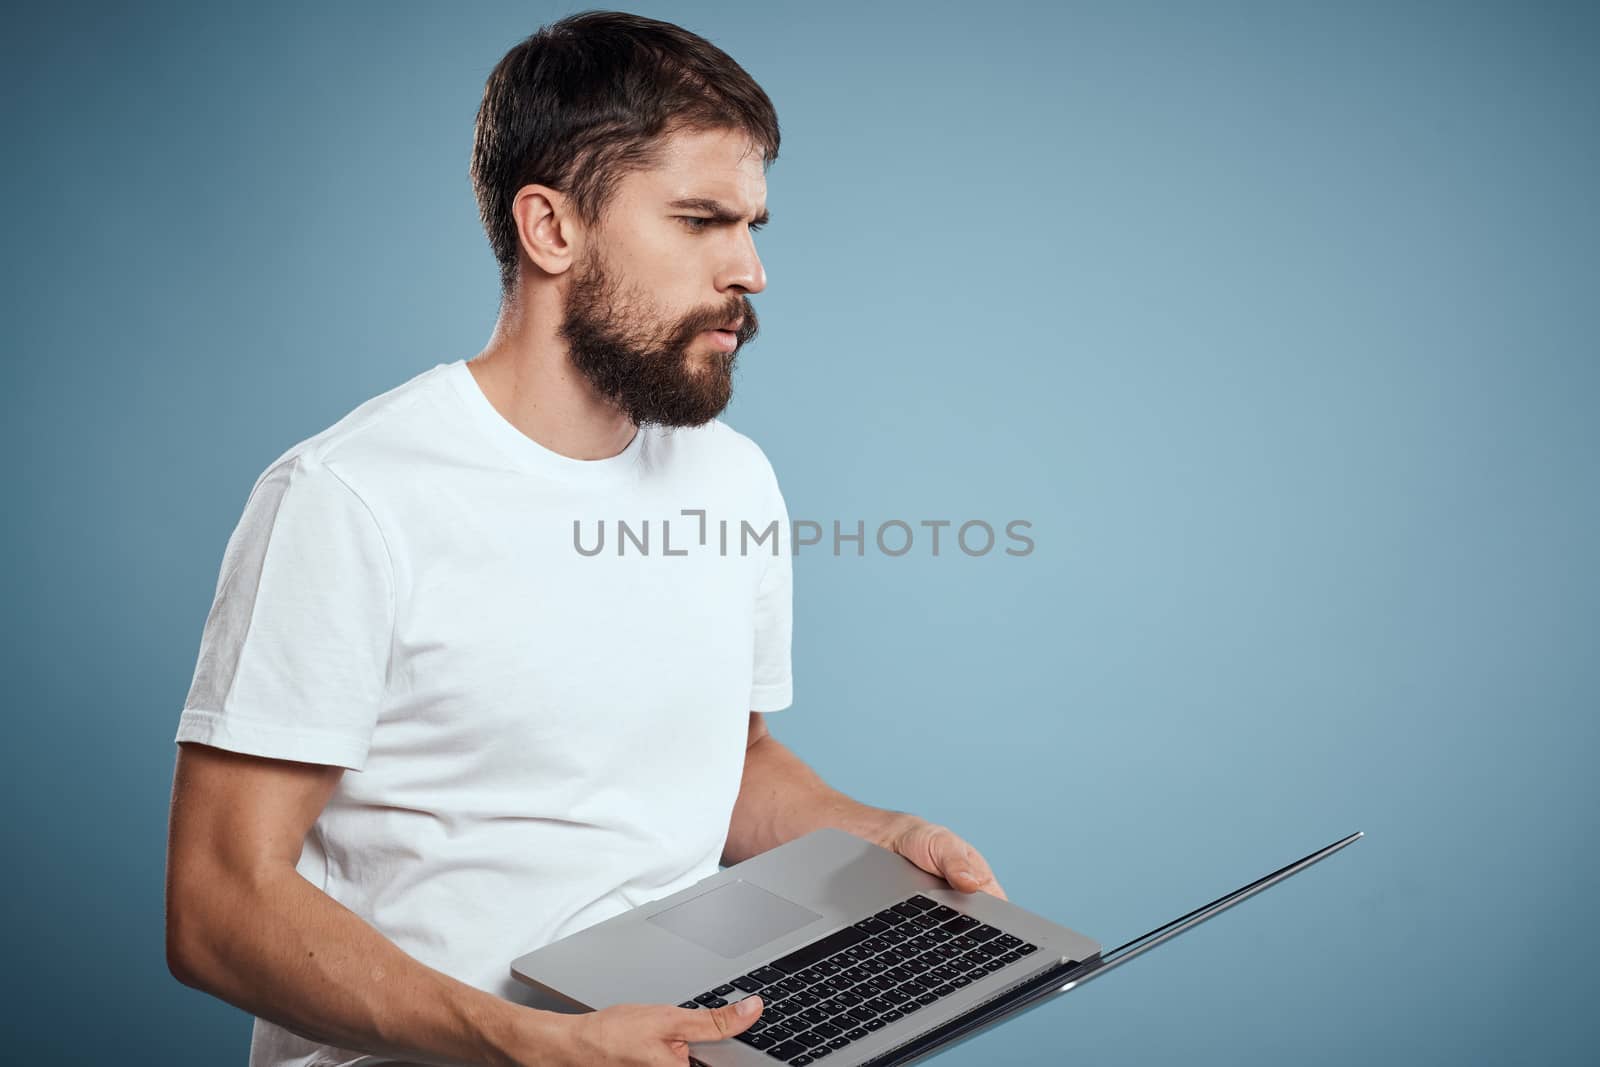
(644, 368)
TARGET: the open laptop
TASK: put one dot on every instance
(861, 957)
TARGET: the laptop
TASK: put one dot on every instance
(861, 958)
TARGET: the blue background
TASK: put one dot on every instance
(1277, 321)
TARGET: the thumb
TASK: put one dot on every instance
(722, 1022)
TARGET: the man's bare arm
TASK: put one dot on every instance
(780, 798)
(244, 926)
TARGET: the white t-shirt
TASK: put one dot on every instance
(546, 735)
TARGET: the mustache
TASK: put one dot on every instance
(749, 325)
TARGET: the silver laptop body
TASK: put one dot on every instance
(831, 916)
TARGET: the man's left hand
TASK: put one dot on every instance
(937, 850)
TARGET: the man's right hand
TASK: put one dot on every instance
(643, 1035)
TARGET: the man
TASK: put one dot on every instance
(545, 735)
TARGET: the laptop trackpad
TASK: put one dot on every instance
(734, 918)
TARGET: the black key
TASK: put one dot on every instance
(809, 975)
(802, 958)
(872, 925)
(861, 1013)
(798, 1061)
(689, 1004)
(747, 982)
(961, 981)
(815, 1015)
(828, 1030)
(781, 1032)
(810, 1039)
(944, 990)
(992, 966)
(790, 985)
(922, 902)
(710, 1000)
(839, 1042)
(857, 1034)
(806, 999)
(889, 917)
(849, 1000)
(924, 922)
(761, 1041)
(983, 933)
(910, 1006)
(767, 975)
(723, 990)
(906, 908)
(819, 1052)
(786, 1051)
(960, 924)
(1027, 949)
(891, 1016)
(944, 911)
(926, 998)
(1009, 940)
(874, 944)
(874, 1024)
(1011, 957)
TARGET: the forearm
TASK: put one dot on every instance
(285, 951)
(781, 798)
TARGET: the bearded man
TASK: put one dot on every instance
(544, 737)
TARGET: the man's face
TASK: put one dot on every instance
(661, 273)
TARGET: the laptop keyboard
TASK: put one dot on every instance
(855, 981)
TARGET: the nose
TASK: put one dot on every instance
(745, 271)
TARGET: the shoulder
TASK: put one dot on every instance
(363, 445)
(719, 444)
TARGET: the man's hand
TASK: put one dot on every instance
(641, 1035)
(937, 850)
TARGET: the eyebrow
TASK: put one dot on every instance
(718, 211)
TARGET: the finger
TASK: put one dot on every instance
(972, 872)
(717, 1023)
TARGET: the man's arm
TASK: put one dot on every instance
(780, 799)
(244, 926)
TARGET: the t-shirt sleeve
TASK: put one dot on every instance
(773, 688)
(295, 651)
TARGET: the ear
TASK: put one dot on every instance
(547, 227)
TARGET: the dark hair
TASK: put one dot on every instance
(591, 97)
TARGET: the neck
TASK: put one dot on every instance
(525, 374)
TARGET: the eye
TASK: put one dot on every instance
(695, 222)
